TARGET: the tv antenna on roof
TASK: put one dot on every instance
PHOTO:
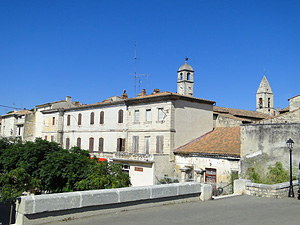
(138, 75)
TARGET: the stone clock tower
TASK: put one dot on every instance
(185, 80)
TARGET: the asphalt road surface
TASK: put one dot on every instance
(240, 210)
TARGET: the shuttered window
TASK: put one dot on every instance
(121, 144)
(136, 116)
(101, 117)
(101, 144)
(92, 118)
(79, 118)
(135, 144)
(79, 142)
(147, 144)
(68, 120)
(148, 115)
(67, 143)
(159, 144)
(120, 116)
(91, 144)
(161, 114)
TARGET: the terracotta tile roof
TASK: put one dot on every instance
(241, 112)
(21, 112)
(222, 141)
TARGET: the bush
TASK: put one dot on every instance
(276, 174)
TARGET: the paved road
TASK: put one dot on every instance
(240, 210)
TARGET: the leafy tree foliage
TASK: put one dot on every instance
(46, 167)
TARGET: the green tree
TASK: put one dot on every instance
(15, 182)
(47, 167)
(104, 176)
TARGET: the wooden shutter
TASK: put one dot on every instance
(92, 117)
(100, 144)
(147, 145)
(118, 144)
(123, 145)
(148, 115)
(79, 142)
(159, 144)
(79, 118)
(68, 120)
(91, 145)
(101, 117)
(135, 144)
(120, 116)
(67, 143)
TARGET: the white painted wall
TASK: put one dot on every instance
(222, 165)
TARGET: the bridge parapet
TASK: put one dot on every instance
(39, 209)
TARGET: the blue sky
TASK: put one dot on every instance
(85, 49)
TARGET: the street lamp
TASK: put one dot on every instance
(290, 145)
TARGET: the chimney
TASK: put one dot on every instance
(143, 93)
(156, 90)
(69, 99)
(124, 95)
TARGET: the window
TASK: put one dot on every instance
(53, 121)
(68, 120)
(19, 132)
(101, 144)
(79, 119)
(91, 144)
(135, 144)
(67, 143)
(101, 117)
(260, 103)
(147, 144)
(159, 144)
(181, 76)
(46, 137)
(188, 76)
(269, 101)
(92, 118)
(161, 114)
(136, 116)
(52, 138)
(120, 116)
(148, 115)
(79, 142)
(121, 144)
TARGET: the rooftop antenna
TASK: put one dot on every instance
(135, 76)
(138, 75)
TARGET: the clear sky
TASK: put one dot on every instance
(85, 49)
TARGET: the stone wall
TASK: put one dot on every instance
(281, 190)
(41, 209)
(262, 145)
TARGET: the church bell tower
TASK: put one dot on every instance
(264, 98)
(185, 80)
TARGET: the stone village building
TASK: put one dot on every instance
(163, 133)
(141, 132)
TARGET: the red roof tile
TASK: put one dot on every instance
(225, 141)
